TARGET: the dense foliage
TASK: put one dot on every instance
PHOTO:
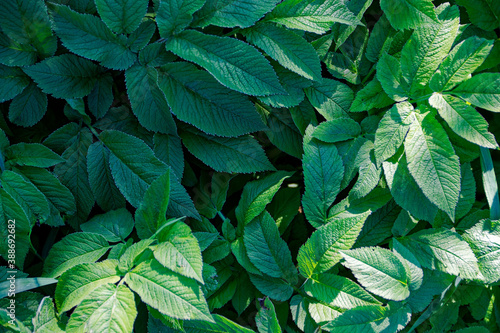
(249, 165)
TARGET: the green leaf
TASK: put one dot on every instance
(321, 251)
(13, 81)
(267, 251)
(168, 148)
(390, 77)
(170, 293)
(432, 163)
(482, 90)
(412, 265)
(45, 319)
(379, 271)
(24, 284)
(241, 155)
(483, 13)
(31, 154)
(337, 130)
(429, 44)
(233, 13)
(392, 131)
(173, 17)
(323, 174)
(377, 226)
(140, 38)
(287, 48)
(484, 239)
(74, 249)
(372, 96)
(29, 107)
(133, 164)
(147, 100)
(464, 120)
(276, 289)
(13, 53)
(338, 291)
(409, 14)
(88, 36)
(443, 250)
(294, 85)
(78, 282)
(220, 325)
(462, 61)
(114, 225)
(250, 72)
(331, 98)
(101, 181)
(180, 203)
(197, 98)
(317, 16)
(101, 97)
(64, 76)
(122, 16)
(257, 195)
(300, 313)
(266, 319)
(133, 254)
(108, 309)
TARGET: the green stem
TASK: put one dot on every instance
(232, 32)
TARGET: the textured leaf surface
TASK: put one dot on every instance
(173, 16)
(29, 107)
(13, 81)
(336, 130)
(266, 319)
(390, 77)
(409, 14)
(32, 154)
(221, 325)
(372, 96)
(122, 16)
(482, 90)
(114, 225)
(331, 98)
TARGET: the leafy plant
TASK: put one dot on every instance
(242, 165)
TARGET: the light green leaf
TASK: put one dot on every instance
(412, 265)
(321, 251)
(392, 130)
(148, 101)
(74, 249)
(482, 90)
(300, 314)
(174, 16)
(122, 16)
(432, 163)
(443, 250)
(390, 77)
(65, 76)
(12, 82)
(221, 324)
(379, 271)
(197, 98)
(267, 251)
(484, 239)
(339, 129)
(266, 319)
(317, 16)
(233, 63)
(429, 44)
(128, 258)
(108, 309)
(464, 120)
(88, 36)
(287, 48)
(29, 107)
(462, 61)
(338, 291)
(323, 174)
(24, 284)
(114, 225)
(331, 98)
(45, 319)
(170, 293)
(241, 155)
(257, 194)
(409, 14)
(372, 96)
(78, 282)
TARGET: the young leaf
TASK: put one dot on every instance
(174, 16)
(232, 62)
(372, 96)
(266, 319)
(482, 90)
(379, 271)
(122, 16)
(409, 14)
(114, 225)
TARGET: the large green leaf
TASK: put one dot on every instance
(462, 61)
(317, 16)
(197, 98)
(13, 81)
(372, 96)
(432, 162)
(390, 77)
(13, 53)
(232, 62)
(64, 76)
(78, 282)
(483, 13)
(168, 148)
(241, 155)
(173, 16)
(409, 14)
(122, 16)
(32, 154)
(277, 289)
(147, 100)
(45, 320)
(323, 174)
(286, 47)
(321, 251)
(379, 271)
(266, 319)
(267, 251)
(331, 98)
(481, 90)
(428, 44)
(108, 309)
(464, 120)
(29, 107)
(170, 293)
(336, 130)
(114, 225)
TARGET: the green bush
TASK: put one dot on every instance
(240, 165)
